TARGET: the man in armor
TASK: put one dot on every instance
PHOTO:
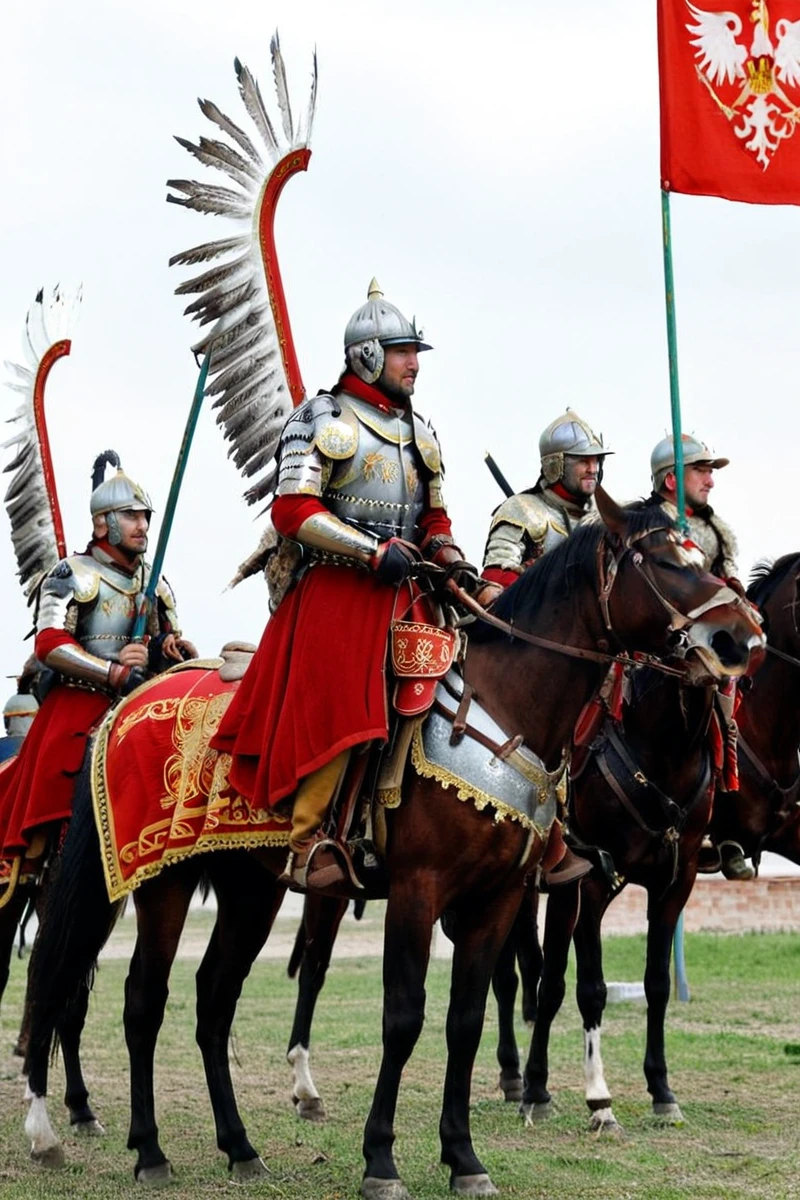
(526, 526)
(717, 542)
(18, 713)
(85, 613)
(359, 502)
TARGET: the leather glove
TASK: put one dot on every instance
(393, 559)
(124, 680)
(462, 573)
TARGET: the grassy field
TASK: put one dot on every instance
(734, 1054)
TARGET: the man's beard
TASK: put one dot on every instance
(398, 394)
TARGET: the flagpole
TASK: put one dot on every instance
(672, 346)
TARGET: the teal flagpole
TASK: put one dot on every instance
(172, 502)
(672, 346)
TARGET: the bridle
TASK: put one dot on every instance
(608, 564)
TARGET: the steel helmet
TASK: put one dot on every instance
(568, 435)
(375, 325)
(117, 494)
(662, 460)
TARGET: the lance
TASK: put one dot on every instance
(672, 346)
(497, 474)
(172, 502)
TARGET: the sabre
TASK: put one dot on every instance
(498, 475)
(172, 502)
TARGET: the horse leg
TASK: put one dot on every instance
(563, 906)
(161, 907)
(504, 986)
(529, 953)
(410, 913)
(76, 1097)
(321, 920)
(10, 916)
(480, 934)
(662, 917)
(248, 899)
(591, 996)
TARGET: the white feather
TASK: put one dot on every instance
(720, 56)
(787, 52)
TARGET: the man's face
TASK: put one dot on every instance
(400, 370)
(698, 480)
(133, 527)
(581, 475)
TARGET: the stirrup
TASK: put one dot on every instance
(742, 873)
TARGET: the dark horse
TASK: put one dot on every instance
(442, 853)
(643, 793)
(765, 813)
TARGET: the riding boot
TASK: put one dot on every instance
(734, 866)
(559, 864)
(313, 862)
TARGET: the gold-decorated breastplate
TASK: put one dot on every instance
(379, 488)
(104, 625)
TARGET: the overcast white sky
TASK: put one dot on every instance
(495, 166)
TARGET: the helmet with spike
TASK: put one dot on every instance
(375, 325)
(114, 495)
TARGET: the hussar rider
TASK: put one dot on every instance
(85, 613)
(717, 542)
(533, 522)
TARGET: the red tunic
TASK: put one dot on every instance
(37, 787)
(317, 683)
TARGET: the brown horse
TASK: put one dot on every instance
(765, 814)
(644, 794)
(627, 583)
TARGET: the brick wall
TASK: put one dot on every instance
(770, 903)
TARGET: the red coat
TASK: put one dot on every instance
(317, 683)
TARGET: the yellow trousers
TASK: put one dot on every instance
(314, 794)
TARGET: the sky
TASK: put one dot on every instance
(496, 167)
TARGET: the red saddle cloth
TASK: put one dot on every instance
(160, 792)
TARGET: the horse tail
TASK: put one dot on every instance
(77, 919)
(298, 950)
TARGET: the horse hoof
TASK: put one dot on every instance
(52, 1158)
(251, 1168)
(91, 1128)
(473, 1185)
(511, 1087)
(669, 1114)
(155, 1177)
(605, 1124)
(533, 1113)
(310, 1110)
(383, 1189)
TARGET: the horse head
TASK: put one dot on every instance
(670, 599)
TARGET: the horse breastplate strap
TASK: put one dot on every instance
(485, 766)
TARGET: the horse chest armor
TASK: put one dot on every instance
(380, 489)
(105, 624)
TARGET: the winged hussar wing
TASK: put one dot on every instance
(721, 57)
(254, 373)
(31, 500)
(787, 52)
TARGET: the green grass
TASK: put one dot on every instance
(734, 1055)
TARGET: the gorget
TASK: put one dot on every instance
(518, 786)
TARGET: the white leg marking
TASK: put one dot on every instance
(596, 1086)
(304, 1088)
(28, 1093)
(38, 1127)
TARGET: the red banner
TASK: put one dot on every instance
(730, 99)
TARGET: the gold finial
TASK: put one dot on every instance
(374, 292)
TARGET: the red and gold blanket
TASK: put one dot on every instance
(160, 793)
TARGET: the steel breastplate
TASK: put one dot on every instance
(105, 624)
(379, 489)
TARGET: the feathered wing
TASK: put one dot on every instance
(720, 57)
(31, 500)
(253, 374)
(787, 52)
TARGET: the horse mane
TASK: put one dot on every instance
(554, 576)
(767, 576)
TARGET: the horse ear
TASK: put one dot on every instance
(614, 517)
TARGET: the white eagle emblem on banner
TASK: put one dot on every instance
(756, 79)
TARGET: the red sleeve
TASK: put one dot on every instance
(289, 512)
(49, 639)
(498, 575)
(435, 522)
